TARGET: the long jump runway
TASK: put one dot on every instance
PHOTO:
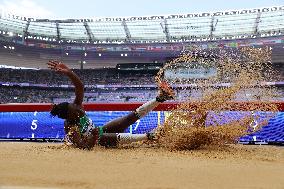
(53, 165)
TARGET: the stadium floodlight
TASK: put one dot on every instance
(100, 54)
(121, 54)
(67, 53)
(84, 62)
(125, 54)
(5, 47)
(12, 48)
(85, 54)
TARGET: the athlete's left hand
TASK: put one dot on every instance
(58, 66)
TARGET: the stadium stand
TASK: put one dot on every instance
(111, 55)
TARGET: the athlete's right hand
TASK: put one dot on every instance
(58, 66)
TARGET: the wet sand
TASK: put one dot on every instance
(53, 165)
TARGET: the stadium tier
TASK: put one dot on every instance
(109, 56)
(121, 84)
(106, 42)
(231, 24)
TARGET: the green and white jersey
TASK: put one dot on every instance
(86, 126)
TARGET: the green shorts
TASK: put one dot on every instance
(101, 132)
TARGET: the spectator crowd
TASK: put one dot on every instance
(101, 85)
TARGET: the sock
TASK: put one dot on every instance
(126, 138)
(146, 108)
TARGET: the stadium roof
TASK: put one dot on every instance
(160, 28)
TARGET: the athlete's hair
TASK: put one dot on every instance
(60, 110)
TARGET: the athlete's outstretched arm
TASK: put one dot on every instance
(79, 86)
(80, 141)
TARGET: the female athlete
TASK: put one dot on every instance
(80, 130)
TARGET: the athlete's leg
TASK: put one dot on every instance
(113, 130)
(113, 139)
(120, 124)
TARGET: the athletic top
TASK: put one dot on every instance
(86, 127)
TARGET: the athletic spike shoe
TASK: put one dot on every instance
(165, 92)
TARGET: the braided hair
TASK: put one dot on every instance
(60, 110)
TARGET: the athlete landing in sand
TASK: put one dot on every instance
(80, 130)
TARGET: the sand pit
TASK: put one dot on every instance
(53, 165)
